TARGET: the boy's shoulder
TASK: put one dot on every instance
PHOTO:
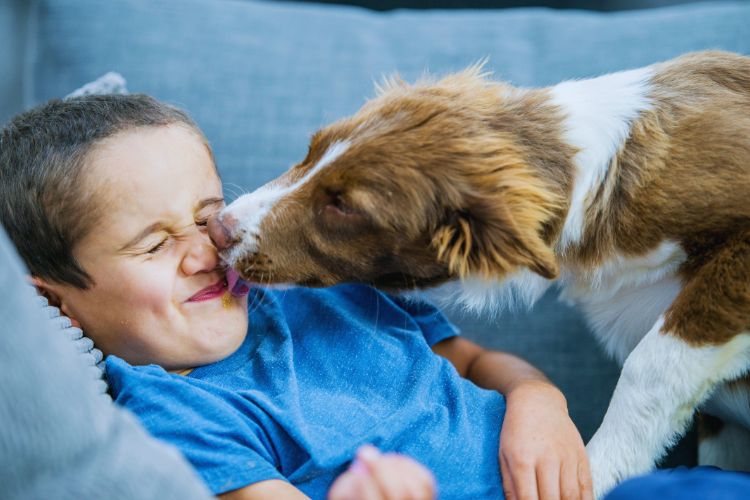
(327, 310)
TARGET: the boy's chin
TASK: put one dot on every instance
(224, 341)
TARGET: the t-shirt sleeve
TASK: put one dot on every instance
(228, 449)
(433, 323)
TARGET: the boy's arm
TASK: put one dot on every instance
(495, 370)
(541, 452)
(273, 489)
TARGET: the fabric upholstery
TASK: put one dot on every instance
(60, 436)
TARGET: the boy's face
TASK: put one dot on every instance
(150, 256)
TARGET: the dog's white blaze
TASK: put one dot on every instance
(332, 153)
(663, 380)
(599, 113)
(251, 209)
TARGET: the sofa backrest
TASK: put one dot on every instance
(14, 16)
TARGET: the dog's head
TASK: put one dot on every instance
(423, 184)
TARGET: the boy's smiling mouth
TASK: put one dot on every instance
(211, 292)
(231, 282)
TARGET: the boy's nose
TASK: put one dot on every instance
(220, 229)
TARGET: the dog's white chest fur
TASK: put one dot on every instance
(623, 298)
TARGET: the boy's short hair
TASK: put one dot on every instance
(43, 152)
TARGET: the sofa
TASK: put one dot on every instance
(260, 77)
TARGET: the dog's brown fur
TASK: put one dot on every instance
(466, 177)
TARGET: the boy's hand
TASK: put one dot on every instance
(542, 455)
(376, 476)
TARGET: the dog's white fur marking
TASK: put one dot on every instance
(662, 381)
(599, 113)
(252, 208)
(637, 288)
(601, 289)
(620, 321)
(480, 295)
(332, 153)
(621, 271)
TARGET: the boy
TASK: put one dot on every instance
(107, 198)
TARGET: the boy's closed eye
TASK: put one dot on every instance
(164, 242)
(203, 212)
(158, 247)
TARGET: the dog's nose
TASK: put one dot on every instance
(220, 231)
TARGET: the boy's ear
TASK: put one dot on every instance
(48, 290)
(51, 292)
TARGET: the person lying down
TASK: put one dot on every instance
(343, 392)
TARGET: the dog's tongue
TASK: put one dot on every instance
(236, 285)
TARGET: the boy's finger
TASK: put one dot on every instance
(524, 481)
(392, 479)
(508, 488)
(417, 479)
(397, 476)
(368, 454)
(342, 488)
(584, 479)
(548, 480)
(355, 484)
(569, 487)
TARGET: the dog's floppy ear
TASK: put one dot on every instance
(492, 247)
(496, 232)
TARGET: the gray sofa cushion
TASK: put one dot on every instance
(259, 78)
(13, 16)
(59, 437)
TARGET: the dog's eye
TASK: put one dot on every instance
(338, 206)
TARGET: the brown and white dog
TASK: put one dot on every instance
(630, 191)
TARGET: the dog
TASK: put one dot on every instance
(629, 191)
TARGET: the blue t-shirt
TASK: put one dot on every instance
(320, 373)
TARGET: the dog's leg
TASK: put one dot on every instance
(662, 381)
(724, 427)
(728, 447)
(700, 341)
